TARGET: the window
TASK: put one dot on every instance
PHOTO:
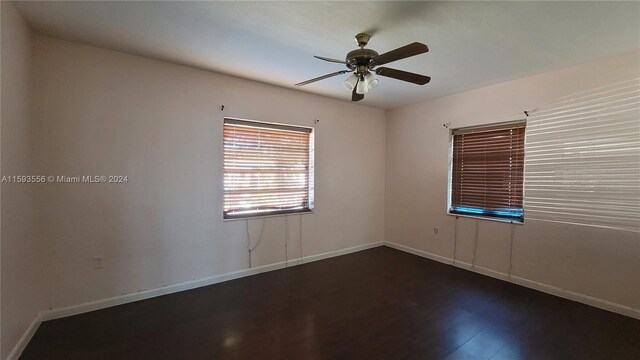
(487, 171)
(583, 159)
(268, 169)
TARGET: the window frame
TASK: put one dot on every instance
(310, 172)
(476, 129)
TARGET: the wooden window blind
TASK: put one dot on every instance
(487, 171)
(268, 169)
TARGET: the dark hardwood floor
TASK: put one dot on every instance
(375, 304)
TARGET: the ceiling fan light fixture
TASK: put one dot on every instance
(362, 87)
(351, 82)
(370, 80)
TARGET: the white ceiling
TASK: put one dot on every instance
(472, 44)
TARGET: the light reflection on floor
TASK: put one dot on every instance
(231, 340)
(478, 335)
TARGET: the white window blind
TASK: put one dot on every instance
(582, 162)
(268, 169)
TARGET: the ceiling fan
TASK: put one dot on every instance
(361, 62)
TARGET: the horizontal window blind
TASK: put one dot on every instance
(268, 168)
(583, 159)
(487, 171)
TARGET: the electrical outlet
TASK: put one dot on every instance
(435, 231)
(98, 262)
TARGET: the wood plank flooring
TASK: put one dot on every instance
(374, 304)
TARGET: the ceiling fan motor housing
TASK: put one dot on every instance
(360, 58)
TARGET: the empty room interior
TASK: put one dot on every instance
(320, 180)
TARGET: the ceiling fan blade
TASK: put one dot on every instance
(330, 59)
(403, 75)
(323, 77)
(406, 51)
(354, 95)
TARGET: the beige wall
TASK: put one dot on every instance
(101, 112)
(20, 276)
(600, 263)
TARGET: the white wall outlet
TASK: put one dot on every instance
(98, 262)
(435, 231)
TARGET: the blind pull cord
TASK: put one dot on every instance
(455, 239)
(249, 248)
(246, 222)
(475, 246)
(286, 241)
(300, 238)
(511, 251)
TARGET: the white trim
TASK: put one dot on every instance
(581, 298)
(24, 339)
(549, 289)
(169, 289)
(428, 255)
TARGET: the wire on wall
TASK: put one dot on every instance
(249, 248)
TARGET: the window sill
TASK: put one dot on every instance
(489, 218)
(269, 216)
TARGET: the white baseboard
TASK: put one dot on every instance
(549, 289)
(187, 285)
(24, 339)
(581, 298)
(439, 258)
